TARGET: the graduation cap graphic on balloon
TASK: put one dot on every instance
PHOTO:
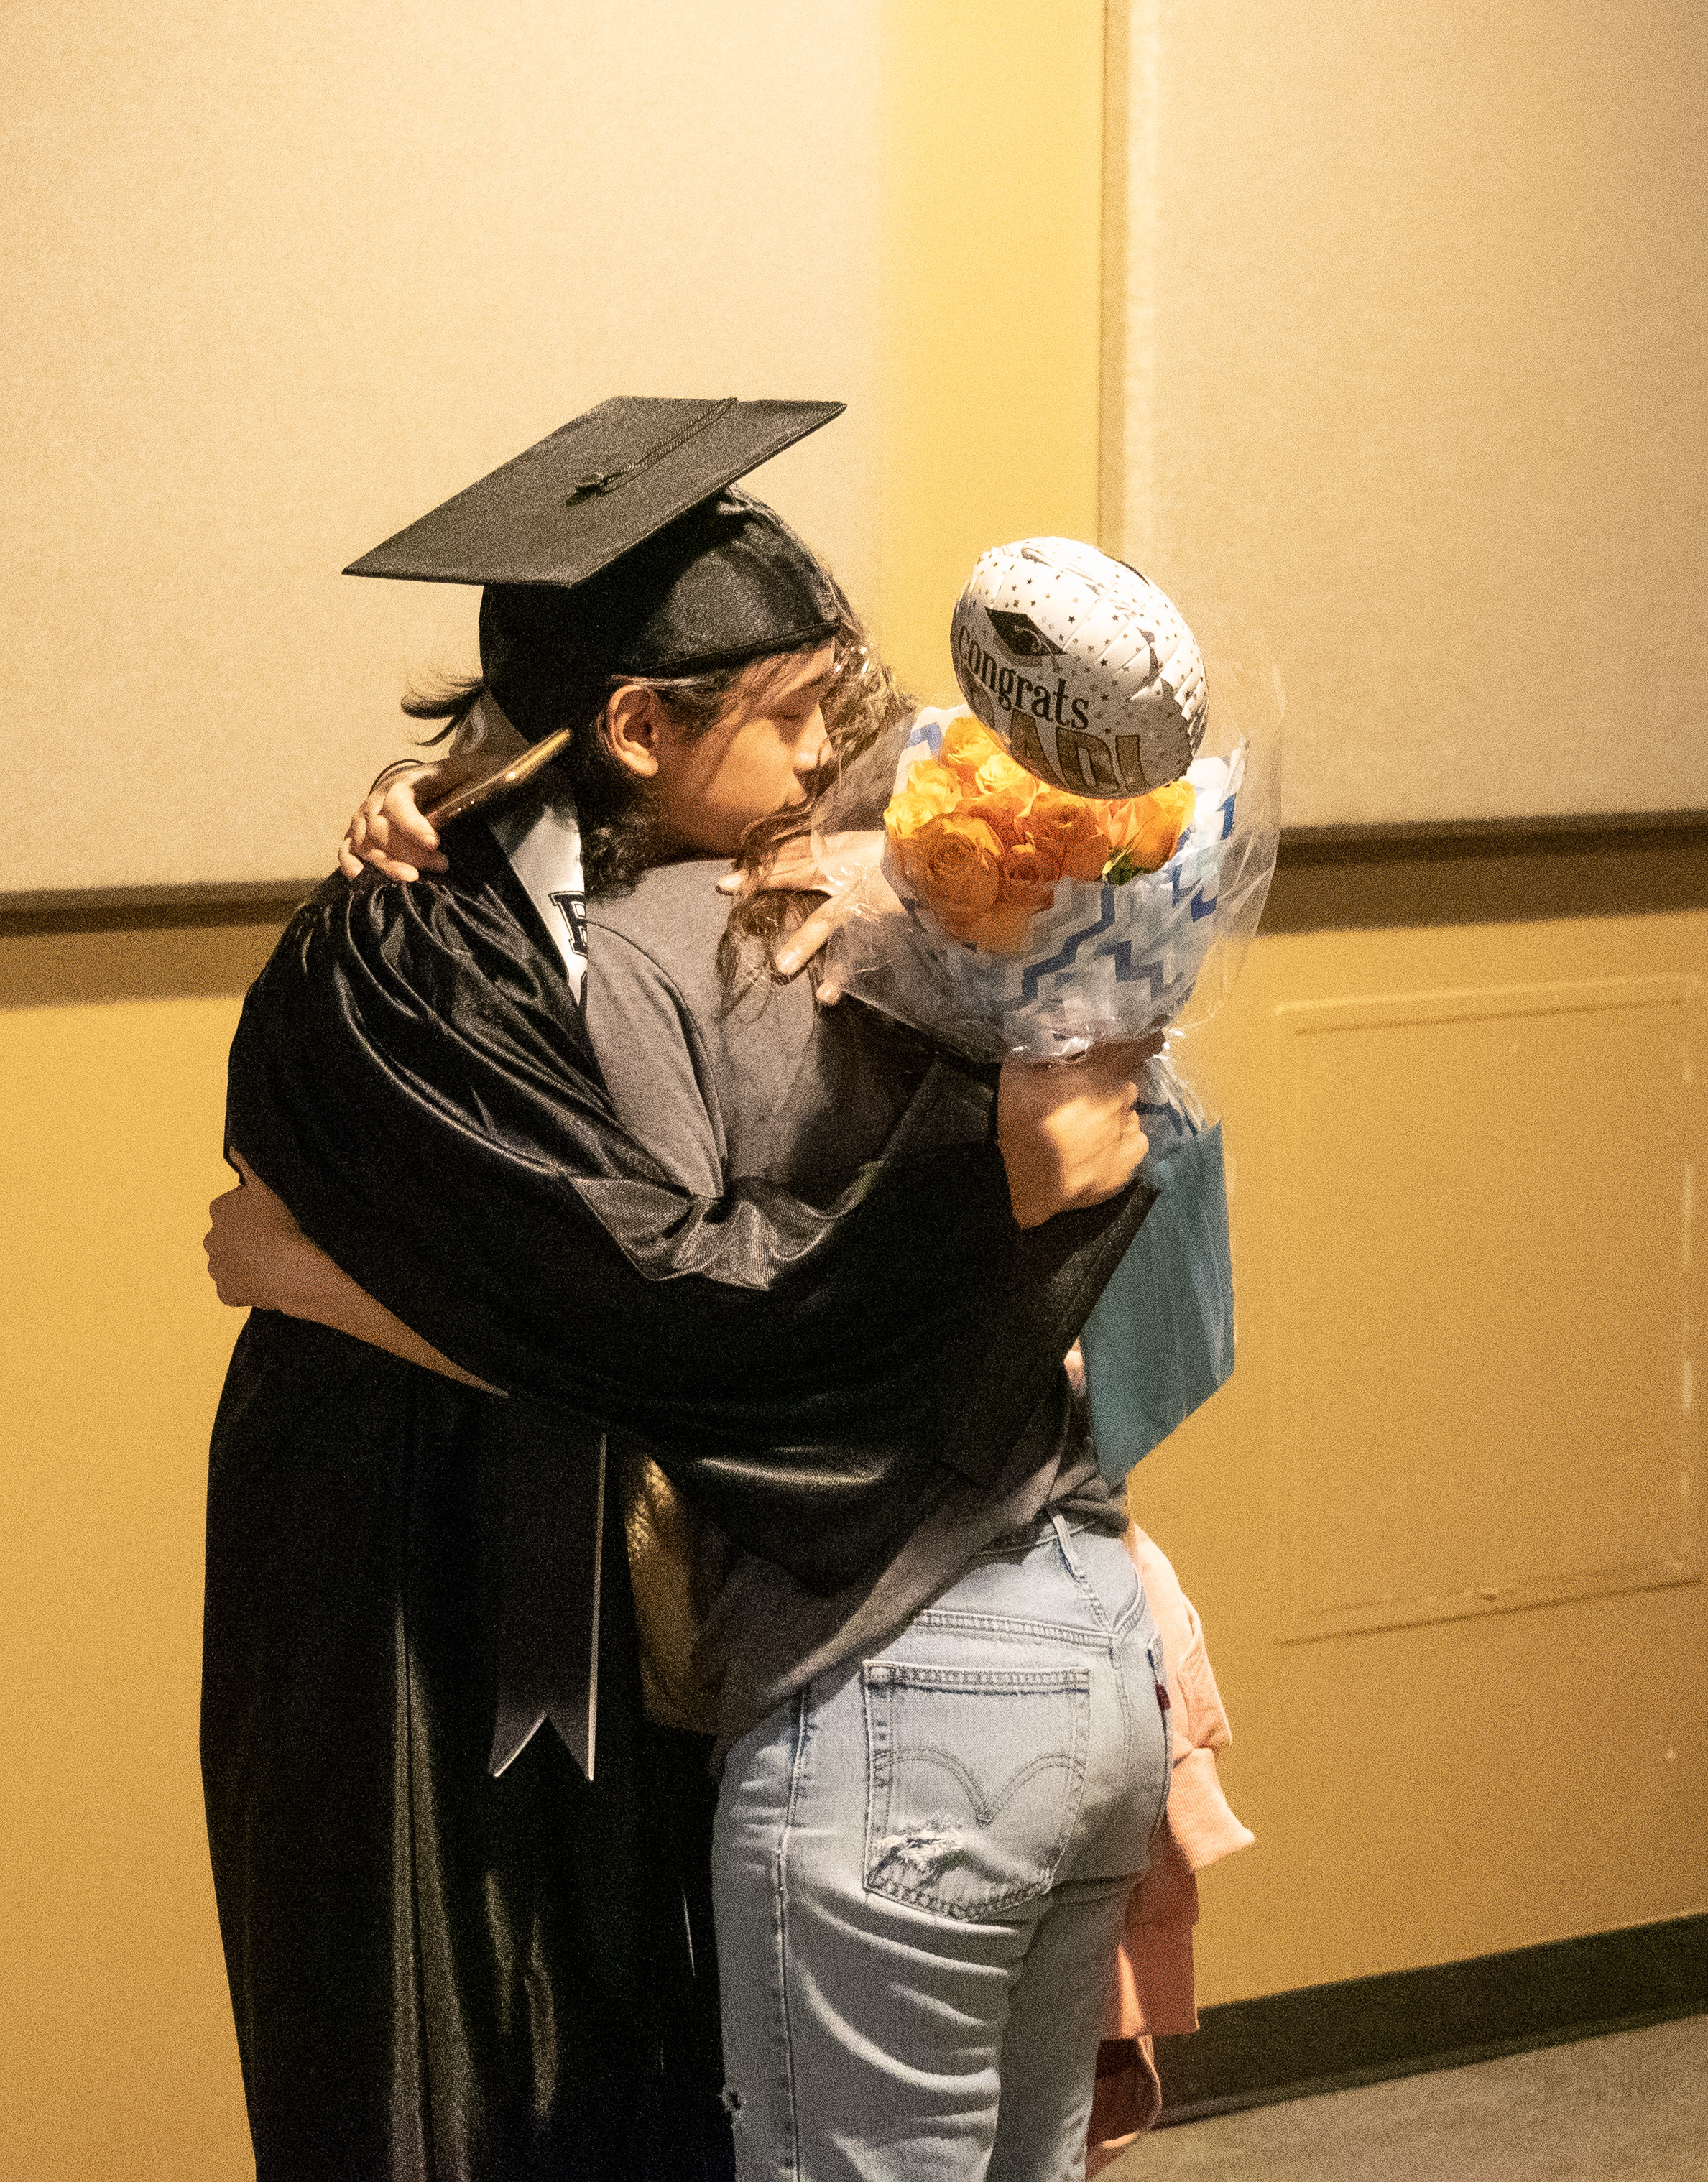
(1020, 636)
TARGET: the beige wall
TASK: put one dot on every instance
(1410, 351)
(280, 279)
(278, 283)
(1517, 1773)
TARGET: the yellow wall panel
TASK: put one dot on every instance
(1431, 1789)
(992, 279)
(114, 2023)
(1545, 1427)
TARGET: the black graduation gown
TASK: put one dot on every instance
(436, 1974)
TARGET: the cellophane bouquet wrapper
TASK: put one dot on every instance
(1124, 955)
(1106, 957)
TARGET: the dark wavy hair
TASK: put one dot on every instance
(616, 810)
(619, 835)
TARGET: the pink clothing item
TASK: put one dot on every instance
(1151, 1986)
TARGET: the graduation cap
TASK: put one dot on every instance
(622, 541)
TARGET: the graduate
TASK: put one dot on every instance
(452, 1952)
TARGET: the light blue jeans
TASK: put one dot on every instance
(920, 1870)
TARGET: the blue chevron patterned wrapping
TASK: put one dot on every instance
(1102, 961)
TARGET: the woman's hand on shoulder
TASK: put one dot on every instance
(844, 867)
(389, 830)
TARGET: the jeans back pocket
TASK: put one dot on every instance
(973, 1781)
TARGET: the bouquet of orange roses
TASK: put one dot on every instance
(985, 843)
(1035, 921)
(1008, 914)
(1062, 858)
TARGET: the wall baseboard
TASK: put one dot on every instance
(1405, 2023)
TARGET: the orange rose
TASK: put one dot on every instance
(931, 792)
(1001, 930)
(966, 743)
(1004, 812)
(1069, 827)
(1144, 830)
(998, 774)
(1029, 873)
(933, 780)
(905, 816)
(957, 863)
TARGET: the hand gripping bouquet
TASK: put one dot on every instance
(1082, 855)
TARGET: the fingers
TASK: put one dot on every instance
(1069, 1136)
(823, 863)
(390, 833)
(258, 1209)
(411, 834)
(802, 944)
(218, 1212)
(796, 869)
(367, 842)
(393, 867)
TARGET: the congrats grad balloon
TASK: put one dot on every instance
(1081, 666)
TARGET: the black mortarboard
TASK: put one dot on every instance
(621, 545)
(596, 486)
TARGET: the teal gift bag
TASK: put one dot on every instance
(1160, 1339)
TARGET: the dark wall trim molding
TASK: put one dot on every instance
(1485, 836)
(121, 909)
(1404, 2023)
(1327, 878)
(1378, 878)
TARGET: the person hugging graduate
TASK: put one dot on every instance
(535, 1262)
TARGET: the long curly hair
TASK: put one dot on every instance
(863, 702)
(616, 810)
(619, 836)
